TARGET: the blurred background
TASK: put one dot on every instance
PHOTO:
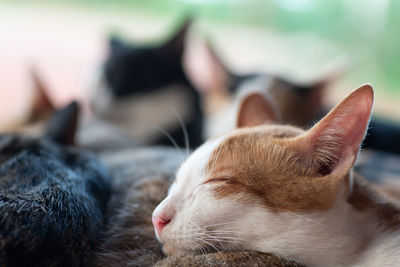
(66, 39)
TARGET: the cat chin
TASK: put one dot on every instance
(170, 250)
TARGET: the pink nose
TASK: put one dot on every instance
(159, 223)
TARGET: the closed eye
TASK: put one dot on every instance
(217, 180)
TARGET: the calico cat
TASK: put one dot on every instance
(52, 197)
(280, 189)
(141, 178)
(135, 77)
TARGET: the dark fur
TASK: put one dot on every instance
(131, 69)
(52, 197)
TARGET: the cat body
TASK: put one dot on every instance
(52, 197)
(282, 190)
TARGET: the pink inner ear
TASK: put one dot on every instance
(339, 135)
(255, 110)
(203, 68)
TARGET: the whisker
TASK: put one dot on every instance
(210, 244)
(222, 231)
(170, 139)
(218, 224)
(227, 239)
(184, 129)
(214, 238)
(304, 218)
(219, 152)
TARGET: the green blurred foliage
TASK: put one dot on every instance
(368, 29)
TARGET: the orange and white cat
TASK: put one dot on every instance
(282, 190)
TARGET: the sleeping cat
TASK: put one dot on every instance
(280, 189)
(52, 197)
(141, 178)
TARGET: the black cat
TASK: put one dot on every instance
(52, 197)
(136, 70)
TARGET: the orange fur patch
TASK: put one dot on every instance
(261, 162)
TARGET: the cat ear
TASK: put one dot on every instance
(176, 43)
(255, 109)
(117, 46)
(62, 125)
(204, 68)
(42, 106)
(333, 143)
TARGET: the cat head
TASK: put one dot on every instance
(131, 69)
(57, 142)
(222, 90)
(60, 127)
(250, 186)
(138, 80)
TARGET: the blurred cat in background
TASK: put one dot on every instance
(222, 92)
(140, 87)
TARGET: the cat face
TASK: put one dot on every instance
(250, 186)
(131, 69)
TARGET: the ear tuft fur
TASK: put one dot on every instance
(337, 137)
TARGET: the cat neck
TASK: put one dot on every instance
(360, 230)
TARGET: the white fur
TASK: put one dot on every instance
(138, 115)
(340, 236)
